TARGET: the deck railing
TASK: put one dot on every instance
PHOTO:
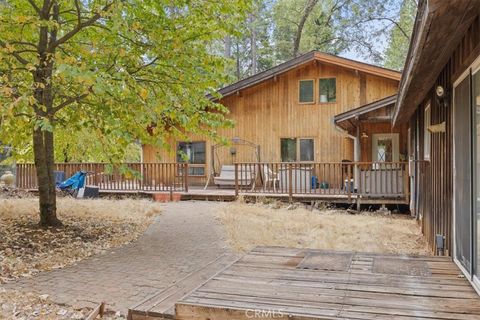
(322, 179)
(347, 179)
(122, 177)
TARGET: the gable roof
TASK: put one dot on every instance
(438, 29)
(304, 59)
(349, 119)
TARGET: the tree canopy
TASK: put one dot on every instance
(117, 68)
(109, 69)
(375, 30)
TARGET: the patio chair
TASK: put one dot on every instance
(270, 177)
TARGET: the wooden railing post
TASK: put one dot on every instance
(236, 179)
(349, 186)
(185, 177)
(141, 180)
(290, 185)
(405, 183)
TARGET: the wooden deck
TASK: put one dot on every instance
(280, 283)
(228, 194)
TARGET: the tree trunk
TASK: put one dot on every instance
(309, 5)
(44, 162)
(253, 44)
(228, 47)
(238, 62)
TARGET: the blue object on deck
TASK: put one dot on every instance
(75, 182)
(314, 182)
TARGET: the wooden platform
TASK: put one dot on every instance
(279, 283)
(162, 304)
(228, 194)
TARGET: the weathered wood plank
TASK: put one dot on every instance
(268, 279)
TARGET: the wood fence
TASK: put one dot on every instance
(122, 177)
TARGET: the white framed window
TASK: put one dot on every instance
(297, 149)
(306, 91)
(327, 88)
(427, 138)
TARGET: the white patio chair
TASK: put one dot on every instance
(270, 177)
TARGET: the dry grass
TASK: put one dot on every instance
(90, 227)
(251, 225)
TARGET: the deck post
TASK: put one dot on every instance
(349, 186)
(236, 180)
(142, 170)
(290, 186)
(405, 182)
(185, 176)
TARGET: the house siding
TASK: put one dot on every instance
(434, 178)
(269, 111)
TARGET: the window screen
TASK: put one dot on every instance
(288, 149)
(305, 94)
(192, 153)
(328, 90)
(306, 150)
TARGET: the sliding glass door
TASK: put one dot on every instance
(466, 104)
(476, 217)
(463, 173)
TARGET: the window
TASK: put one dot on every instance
(305, 91)
(289, 149)
(328, 90)
(293, 149)
(194, 154)
(306, 149)
(426, 133)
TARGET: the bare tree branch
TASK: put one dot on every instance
(71, 100)
(15, 54)
(80, 26)
(309, 5)
(391, 21)
(34, 5)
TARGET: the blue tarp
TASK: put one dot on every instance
(75, 182)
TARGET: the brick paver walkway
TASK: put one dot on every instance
(181, 240)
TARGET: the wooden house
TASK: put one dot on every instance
(439, 100)
(315, 127)
(285, 114)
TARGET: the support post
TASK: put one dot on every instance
(290, 186)
(405, 182)
(236, 180)
(185, 176)
(356, 158)
(349, 186)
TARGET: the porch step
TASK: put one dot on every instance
(162, 304)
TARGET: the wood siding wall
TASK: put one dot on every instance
(269, 111)
(435, 177)
(371, 128)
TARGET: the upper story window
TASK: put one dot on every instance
(327, 90)
(306, 91)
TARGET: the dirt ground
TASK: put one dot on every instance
(90, 227)
(183, 238)
(275, 224)
(94, 226)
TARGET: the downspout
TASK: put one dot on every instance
(356, 151)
